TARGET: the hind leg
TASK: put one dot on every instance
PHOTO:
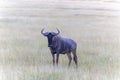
(75, 60)
(75, 57)
(70, 58)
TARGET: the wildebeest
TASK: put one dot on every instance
(59, 45)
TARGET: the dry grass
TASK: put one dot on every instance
(24, 54)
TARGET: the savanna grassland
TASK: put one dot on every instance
(94, 25)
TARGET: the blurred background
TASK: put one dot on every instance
(93, 24)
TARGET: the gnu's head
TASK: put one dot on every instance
(50, 36)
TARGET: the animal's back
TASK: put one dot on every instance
(64, 45)
(69, 44)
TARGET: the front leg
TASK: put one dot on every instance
(57, 58)
(53, 55)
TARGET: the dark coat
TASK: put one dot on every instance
(62, 45)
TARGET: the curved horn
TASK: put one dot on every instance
(42, 31)
(58, 31)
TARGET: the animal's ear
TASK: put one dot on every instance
(45, 34)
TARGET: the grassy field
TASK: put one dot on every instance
(94, 25)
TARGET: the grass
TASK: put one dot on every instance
(24, 54)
